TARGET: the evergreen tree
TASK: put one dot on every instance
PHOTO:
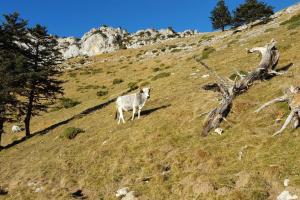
(11, 62)
(220, 16)
(250, 11)
(40, 71)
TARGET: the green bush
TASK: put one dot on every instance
(206, 51)
(71, 132)
(292, 23)
(68, 103)
(161, 75)
(133, 86)
(117, 81)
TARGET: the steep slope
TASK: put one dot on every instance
(162, 155)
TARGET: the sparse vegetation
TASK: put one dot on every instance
(292, 23)
(133, 86)
(118, 81)
(161, 75)
(102, 92)
(71, 132)
(68, 103)
(206, 52)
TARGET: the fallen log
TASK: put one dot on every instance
(230, 89)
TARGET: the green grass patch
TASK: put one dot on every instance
(206, 52)
(71, 132)
(161, 75)
(292, 23)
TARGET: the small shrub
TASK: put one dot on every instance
(292, 23)
(161, 75)
(71, 132)
(232, 42)
(206, 51)
(102, 92)
(117, 81)
(68, 103)
(156, 69)
(294, 33)
(133, 86)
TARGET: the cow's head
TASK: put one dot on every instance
(294, 90)
(146, 92)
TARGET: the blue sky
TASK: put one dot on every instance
(74, 18)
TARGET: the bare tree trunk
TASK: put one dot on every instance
(1, 129)
(29, 112)
(230, 89)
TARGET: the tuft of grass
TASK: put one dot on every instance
(156, 69)
(68, 103)
(292, 23)
(102, 92)
(133, 86)
(207, 51)
(206, 38)
(71, 132)
(270, 30)
(117, 81)
(161, 75)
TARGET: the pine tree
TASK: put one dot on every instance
(40, 71)
(250, 11)
(11, 61)
(220, 16)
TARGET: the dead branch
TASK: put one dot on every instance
(230, 89)
(292, 96)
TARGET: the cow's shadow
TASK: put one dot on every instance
(151, 110)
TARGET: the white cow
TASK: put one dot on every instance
(15, 129)
(132, 102)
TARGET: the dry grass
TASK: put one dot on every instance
(165, 144)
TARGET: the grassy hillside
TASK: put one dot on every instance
(164, 147)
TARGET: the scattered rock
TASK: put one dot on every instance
(286, 195)
(219, 131)
(125, 194)
(122, 192)
(39, 189)
(205, 76)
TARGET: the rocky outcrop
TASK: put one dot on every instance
(107, 39)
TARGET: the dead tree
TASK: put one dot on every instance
(292, 96)
(230, 89)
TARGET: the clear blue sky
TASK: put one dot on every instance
(75, 17)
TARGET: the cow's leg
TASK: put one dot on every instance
(139, 113)
(133, 113)
(121, 117)
(287, 121)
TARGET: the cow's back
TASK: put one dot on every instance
(126, 101)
